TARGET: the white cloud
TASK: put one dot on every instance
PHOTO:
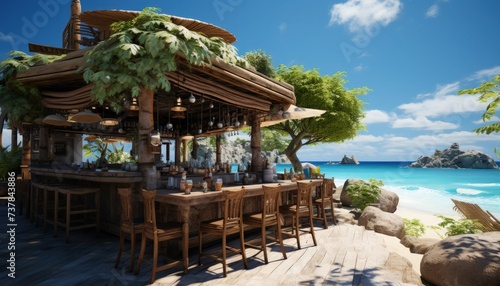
(360, 67)
(486, 74)
(365, 14)
(5, 38)
(282, 27)
(432, 12)
(444, 101)
(422, 122)
(376, 116)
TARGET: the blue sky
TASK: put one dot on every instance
(414, 55)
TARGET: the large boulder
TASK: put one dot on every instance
(453, 157)
(388, 201)
(418, 245)
(465, 260)
(344, 197)
(375, 219)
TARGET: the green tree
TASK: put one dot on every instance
(272, 141)
(340, 122)
(262, 62)
(490, 92)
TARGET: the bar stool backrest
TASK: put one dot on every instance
(327, 188)
(149, 211)
(304, 191)
(271, 200)
(125, 195)
(233, 207)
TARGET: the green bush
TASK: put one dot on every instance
(363, 193)
(460, 226)
(10, 161)
(414, 227)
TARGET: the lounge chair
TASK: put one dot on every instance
(475, 212)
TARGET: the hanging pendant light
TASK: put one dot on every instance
(210, 122)
(178, 106)
(56, 119)
(169, 124)
(192, 99)
(220, 124)
(201, 117)
(86, 116)
(187, 136)
(155, 135)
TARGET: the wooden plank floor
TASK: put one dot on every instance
(345, 255)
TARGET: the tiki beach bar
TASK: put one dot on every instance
(157, 82)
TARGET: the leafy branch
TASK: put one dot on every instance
(141, 50)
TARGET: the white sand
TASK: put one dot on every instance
(428, 219)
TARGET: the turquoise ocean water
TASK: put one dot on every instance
(427, 190)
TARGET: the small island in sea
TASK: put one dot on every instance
(455, 158)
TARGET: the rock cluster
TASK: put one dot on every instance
(347, 160)
(453, 157)
(236, 153)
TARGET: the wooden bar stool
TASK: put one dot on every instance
(37, 202)
(156, 233)
(325, 201)
(72, 210)
(231, 223)
(128, 225)
(270, 216)
(302, 208)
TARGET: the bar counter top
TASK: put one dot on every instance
(110, 176)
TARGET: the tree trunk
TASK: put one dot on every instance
(13, 138)
(146, 125)
(218, 157)
(291, 153)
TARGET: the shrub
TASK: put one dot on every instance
(364, 193)
(414, 227)
(460, 226)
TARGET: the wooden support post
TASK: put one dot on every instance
(255, 146)
(146, 125)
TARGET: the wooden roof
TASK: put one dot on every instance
(102, 19)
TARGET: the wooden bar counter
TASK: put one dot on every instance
(107, 181)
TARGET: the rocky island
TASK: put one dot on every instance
(351, 160)
(455, 158)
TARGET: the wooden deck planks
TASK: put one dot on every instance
(345, 255)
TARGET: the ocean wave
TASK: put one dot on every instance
(464, 191)
(483, 184)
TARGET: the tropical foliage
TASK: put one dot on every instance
(363, 193)
(23, 102)
(141, 50)
(413, 227)
(490, 93)
(460, 226)
(100, 150)
(10, 161)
